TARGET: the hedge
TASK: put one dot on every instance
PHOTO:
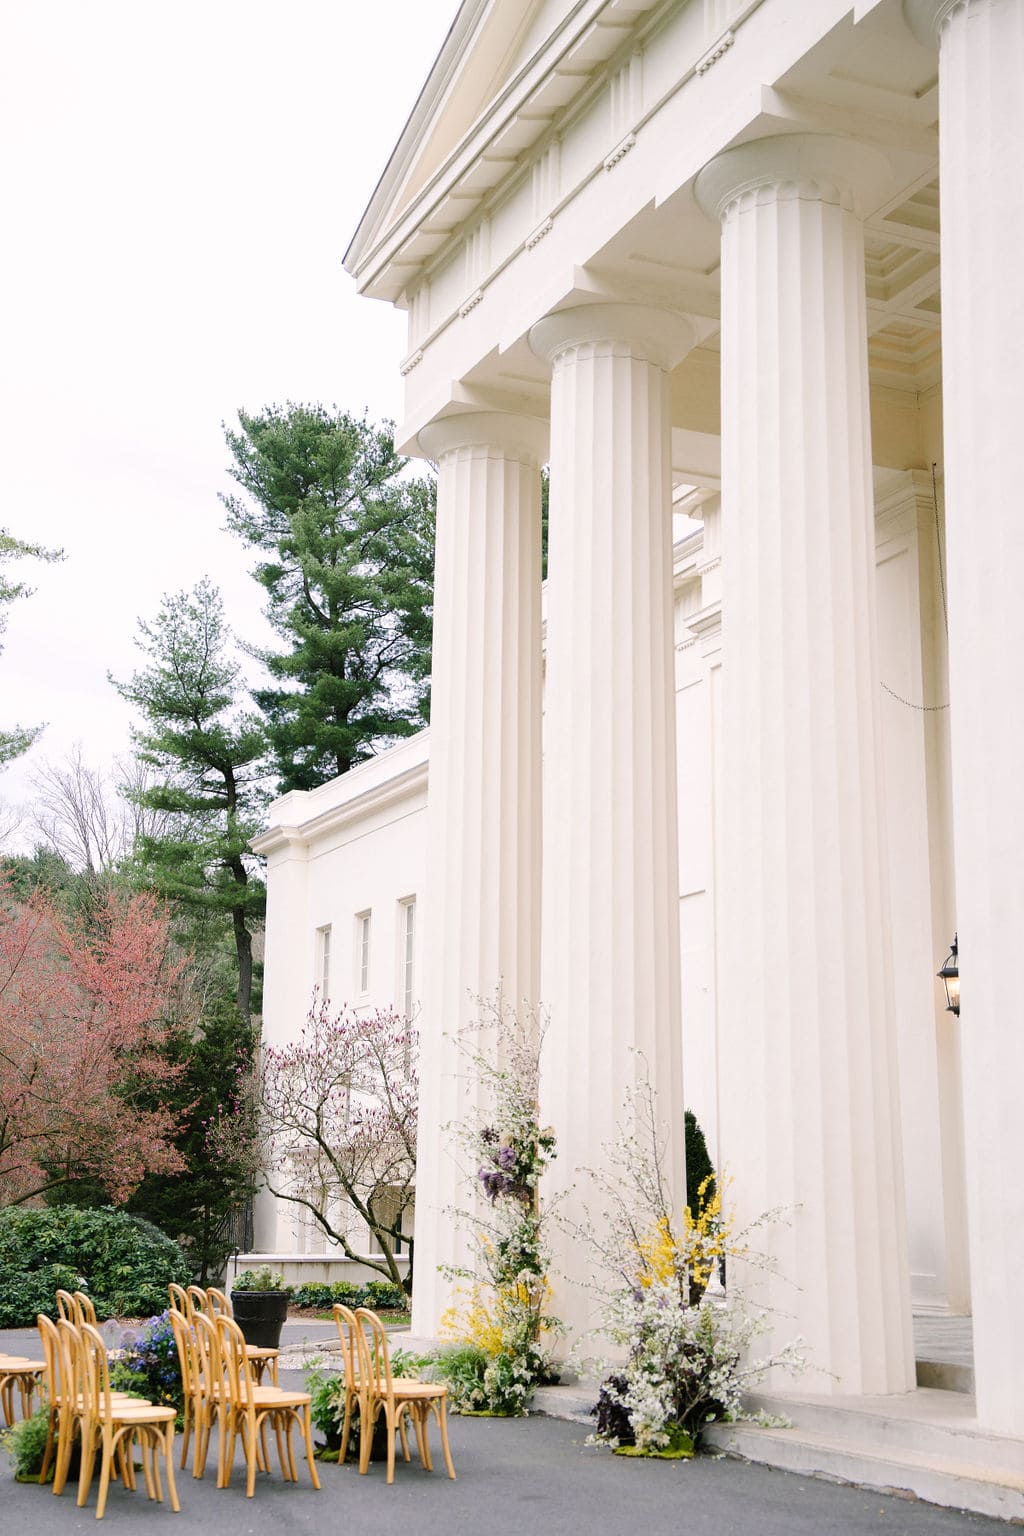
(376, 1294)
(122, 1261)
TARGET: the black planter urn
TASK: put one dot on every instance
(260, 1315)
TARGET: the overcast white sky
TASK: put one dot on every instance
(179, 183)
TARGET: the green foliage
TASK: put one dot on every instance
(261, 1279)
(18, 740)
(149, 1366)
(26, 1293)
(347, 556)
(379, 1295)
(123, 1262)
(463, 1367)
(207, 754)
(699, 1167)
(384, 1293)
(25, 1443)
(199, 1204)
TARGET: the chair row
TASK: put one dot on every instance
(113, 1424)
(219, 1377)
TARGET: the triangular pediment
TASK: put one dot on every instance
(488, 46)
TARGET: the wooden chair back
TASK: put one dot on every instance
(207, 1357)
(66, 1306)
(51, 1354)
(219, 1302)
(71, 1365)
(85, 1308)
(185, 1343)
(94, 1373)
(237, 1376)
(348, 1329)
(374, 1356)
(180, 1299)
(200, 1300)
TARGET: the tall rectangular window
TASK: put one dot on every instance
(407, 955)
(363, 952)
(323, 961)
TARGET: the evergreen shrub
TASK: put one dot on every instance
(123, 1262)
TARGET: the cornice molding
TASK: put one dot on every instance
(372, 801)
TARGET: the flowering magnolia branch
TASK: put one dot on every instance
(335, 1116)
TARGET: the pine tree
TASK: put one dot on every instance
(347, 553)
(207, 755)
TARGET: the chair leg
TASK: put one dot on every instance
(307, 1435)
(51, 1440)
(251, 1439)
(392, 1426)
(88, 1460)
(107, 1458)
(442, 1419)
(346, 1430)
(367, 1419)
(420, 1420)
(169, 1460)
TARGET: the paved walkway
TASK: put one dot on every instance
(516, 1477)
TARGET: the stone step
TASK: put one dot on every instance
(997, 1492)
(926, 1422)
(573, 1401)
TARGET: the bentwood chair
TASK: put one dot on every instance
(245, 1409)
(65, 1389)
(347, 1325)
(382, 1392)
(216, 1304)
(108, 1426)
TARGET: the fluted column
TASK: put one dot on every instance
(981, 145)
(610, 961)
(481, 929)
(809, 1091)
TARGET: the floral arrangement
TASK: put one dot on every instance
(688, 1353)
(501, 1313)
(147, 1365)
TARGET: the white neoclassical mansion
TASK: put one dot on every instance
(723, 799)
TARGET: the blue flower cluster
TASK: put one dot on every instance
(148, 1364)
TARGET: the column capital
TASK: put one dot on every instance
(824, 167)
(659, 336)
(926, 18)
(506, 435)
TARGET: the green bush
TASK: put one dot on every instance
(378, 1294)
(123, 1262)
(25, 1444)
(320, 1296)
(384, 1293)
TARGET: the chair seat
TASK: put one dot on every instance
(410, 1389)
(135, 1412)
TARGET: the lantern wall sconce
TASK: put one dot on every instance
(950, 975)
